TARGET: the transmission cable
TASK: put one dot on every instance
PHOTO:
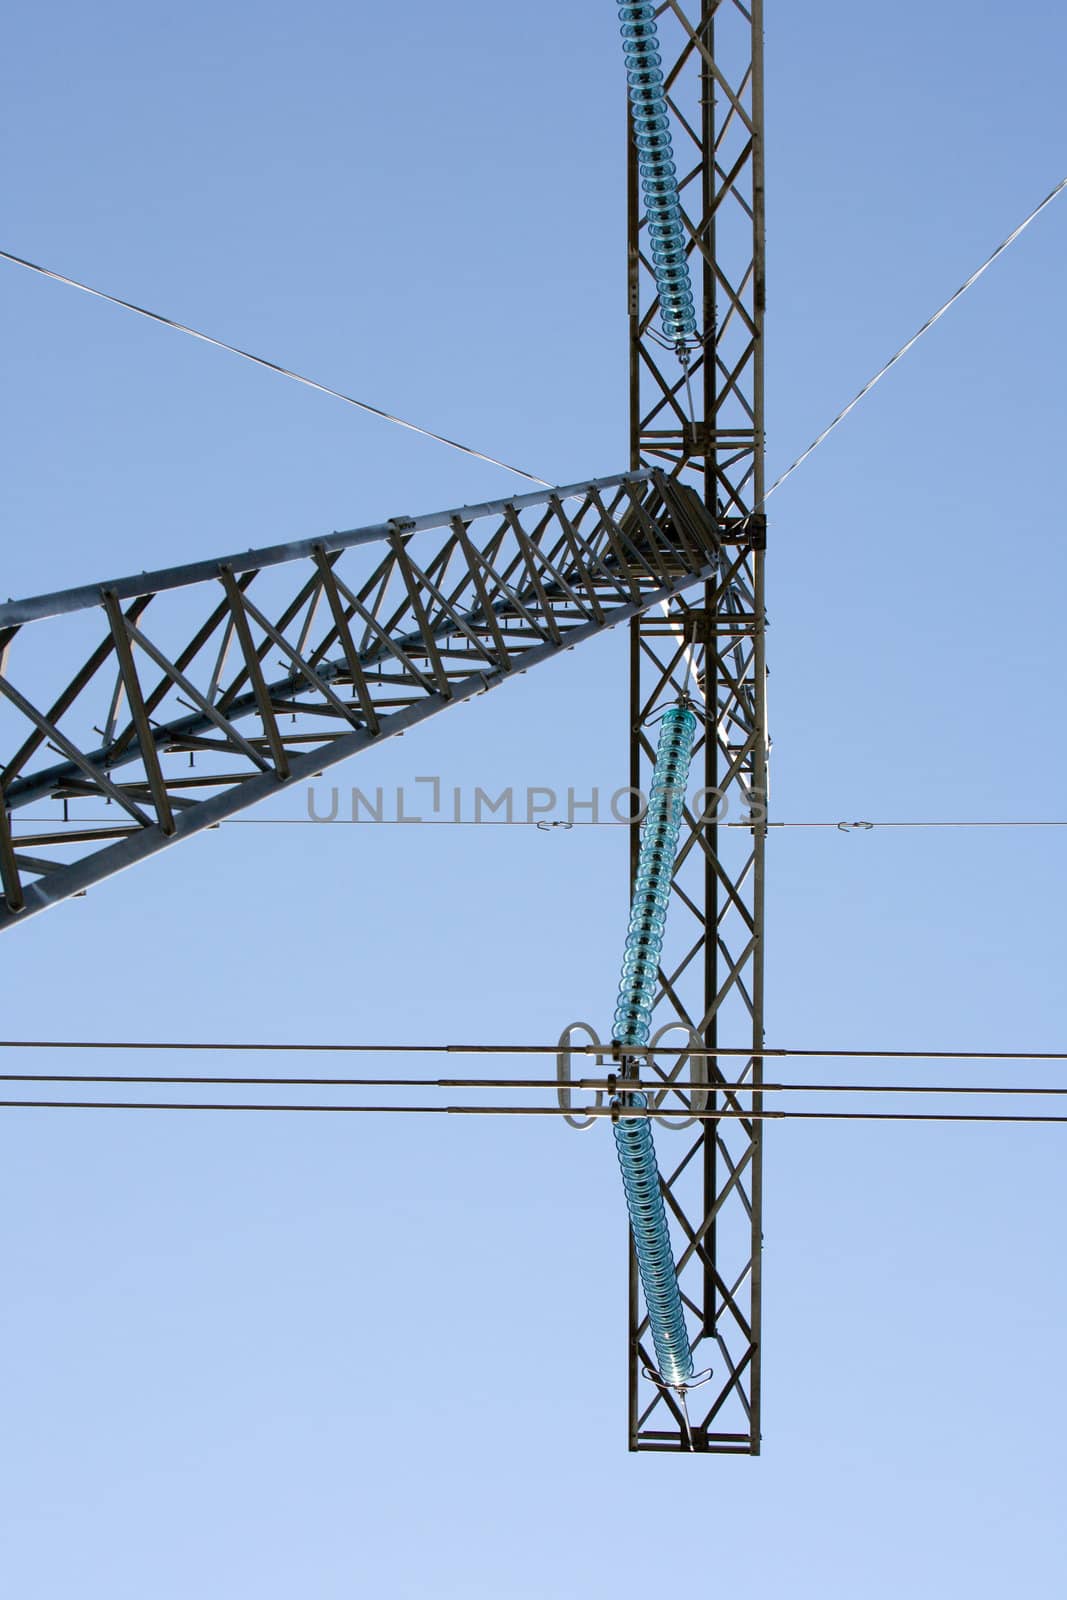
(717, 1115)
(702, 1086)
(466, 449)
(927, 325)
(545, 824)
(735, 1052)
(272, 366)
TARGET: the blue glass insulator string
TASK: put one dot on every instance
(659, 179)
(633, 1021)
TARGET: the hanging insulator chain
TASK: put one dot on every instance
(659, 178)
(633, 1021)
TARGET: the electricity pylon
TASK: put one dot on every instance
(180, 697)
(705, 427)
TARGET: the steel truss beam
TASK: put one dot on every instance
(178, 698)
(712, 973)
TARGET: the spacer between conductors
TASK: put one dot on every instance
(630, 1058)
(627, 1052)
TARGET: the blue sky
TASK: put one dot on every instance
(323, 1358)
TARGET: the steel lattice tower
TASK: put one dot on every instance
(168, 701)
(712, 974)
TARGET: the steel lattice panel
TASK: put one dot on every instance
(165, 702)
(712, 972)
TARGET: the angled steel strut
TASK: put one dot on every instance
(180, 697)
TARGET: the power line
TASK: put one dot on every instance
(628, 1112)
(585, 1085)
(742, 1052)
(272, 366)
(545, 824)
(848, 827)
(927, 325)
(466, 449)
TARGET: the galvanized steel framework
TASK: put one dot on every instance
(712, 973)
(178, 698)
(144, 687)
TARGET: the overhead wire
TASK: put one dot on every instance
(544, 824)
(271, 366)
(734, 1052)
(927, 325)
(701, 1086)
(846, 827)
(640, 1112)
(454, 444)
